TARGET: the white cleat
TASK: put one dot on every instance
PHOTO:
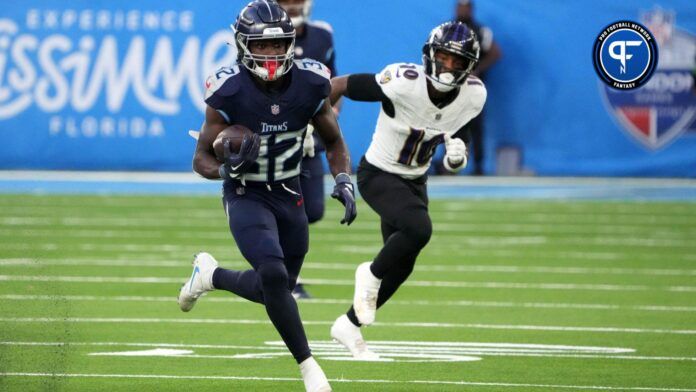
(365, 297)
(344, 332)
(200, 282)
(313, 377)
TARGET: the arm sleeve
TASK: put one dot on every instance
(364, 87)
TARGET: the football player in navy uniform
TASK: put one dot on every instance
(422, 106)
(275, 97)
(315, 41)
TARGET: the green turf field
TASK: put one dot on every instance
(508, 296)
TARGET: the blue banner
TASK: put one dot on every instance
(106, 85)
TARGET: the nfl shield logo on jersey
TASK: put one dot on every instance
(275, 109)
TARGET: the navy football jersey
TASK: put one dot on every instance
(281, 119)
(316, 42)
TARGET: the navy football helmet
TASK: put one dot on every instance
(264, 20)
(458, 39)
(301, 12)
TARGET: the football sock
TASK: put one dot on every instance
(282, 309)
(242, 283)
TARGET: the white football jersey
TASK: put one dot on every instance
(404, 144)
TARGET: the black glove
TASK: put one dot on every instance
(343, 192)
(238, 163)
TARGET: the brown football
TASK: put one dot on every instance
(235, 134)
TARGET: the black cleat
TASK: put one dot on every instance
(299, 292)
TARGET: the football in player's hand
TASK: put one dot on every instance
(234, 134)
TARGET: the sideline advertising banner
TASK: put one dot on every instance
(106, 85)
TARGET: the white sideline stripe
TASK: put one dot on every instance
(342, 380)
(347, 282)
(507, 269)
(379, 324)
(337, 301)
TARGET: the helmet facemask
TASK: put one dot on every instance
(456, 39)
(266, 67)
(446, 80)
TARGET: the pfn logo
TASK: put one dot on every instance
(621, 55)
(625, 55)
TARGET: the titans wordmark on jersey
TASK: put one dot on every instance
(404, 144)
(281, 119)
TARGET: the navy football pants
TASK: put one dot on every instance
(270, 228)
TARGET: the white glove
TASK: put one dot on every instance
(455, 155)
(308, 145)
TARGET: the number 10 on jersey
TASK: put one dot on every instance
(415, 147)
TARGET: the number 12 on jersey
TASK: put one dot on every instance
(415, 147)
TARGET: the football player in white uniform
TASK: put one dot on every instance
(422, 107)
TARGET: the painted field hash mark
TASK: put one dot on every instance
(395, 351)
(400, 351)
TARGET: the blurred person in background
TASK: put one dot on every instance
(314, 41)
(490, 54)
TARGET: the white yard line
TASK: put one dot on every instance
(313, 265)
(466, 211)
(483, 349)
(337, 301)
(452, 222)
(324, 323)
(132, 344)
(349, 282)
(367, 225)
(343, 380)
(462, 245)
